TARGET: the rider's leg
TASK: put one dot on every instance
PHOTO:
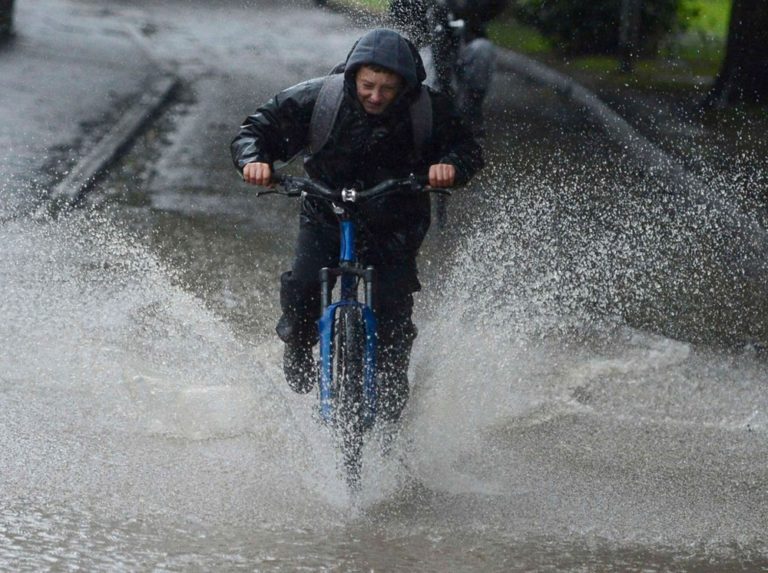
(300, 304)
(475, 68)
(396, 333)
(442, 62)
(444, 46)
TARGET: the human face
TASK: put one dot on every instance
(376, 89)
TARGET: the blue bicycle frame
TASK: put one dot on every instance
(350, 273)
(356, 395)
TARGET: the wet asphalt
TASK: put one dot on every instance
(589, 387)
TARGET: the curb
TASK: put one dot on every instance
(71, 190)
(649, 155)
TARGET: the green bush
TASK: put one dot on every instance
(592, 26)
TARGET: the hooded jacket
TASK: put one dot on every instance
(363, 149)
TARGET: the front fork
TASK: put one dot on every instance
(350, 276)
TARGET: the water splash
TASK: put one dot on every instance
(126, 395)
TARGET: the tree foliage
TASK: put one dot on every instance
(592, 26)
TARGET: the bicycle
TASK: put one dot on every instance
(347, 326)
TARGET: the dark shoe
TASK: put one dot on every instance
(299, 367)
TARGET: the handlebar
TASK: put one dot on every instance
(293, 186)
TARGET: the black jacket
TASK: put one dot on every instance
(364, 149)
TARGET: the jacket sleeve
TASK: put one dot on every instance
(279, 129)
(454, 141)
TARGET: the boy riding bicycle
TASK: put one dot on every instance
(372, 137)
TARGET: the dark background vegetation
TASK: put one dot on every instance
(716, 43)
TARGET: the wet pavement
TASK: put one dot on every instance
(575, 403)
(68, 72)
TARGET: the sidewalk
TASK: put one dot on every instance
(71, 69)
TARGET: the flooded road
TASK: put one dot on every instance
(575, 406)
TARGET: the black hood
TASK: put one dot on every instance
(387, 48)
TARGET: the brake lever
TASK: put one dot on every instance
(267, 192)
(289, 190)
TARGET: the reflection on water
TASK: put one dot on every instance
(140, 432)
(35, 540)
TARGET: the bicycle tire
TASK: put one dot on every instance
(348, 366)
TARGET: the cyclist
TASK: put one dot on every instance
(460, 52)
(371, 140)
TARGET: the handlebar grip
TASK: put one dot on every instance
(423, 180)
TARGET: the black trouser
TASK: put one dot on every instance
(318, 247)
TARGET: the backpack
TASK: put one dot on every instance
(329, 101)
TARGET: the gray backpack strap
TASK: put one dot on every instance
(325, 111)
(421, 119)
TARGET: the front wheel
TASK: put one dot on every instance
(348, 376)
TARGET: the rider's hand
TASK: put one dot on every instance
(442, 175)
(257, 174)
